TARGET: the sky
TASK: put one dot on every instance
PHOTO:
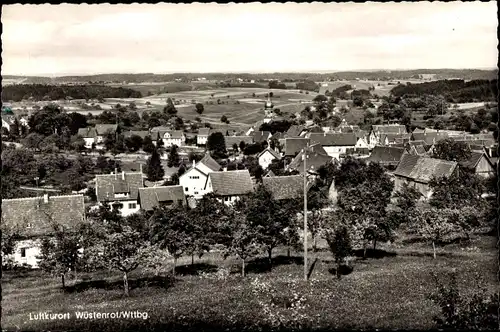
(70, 39)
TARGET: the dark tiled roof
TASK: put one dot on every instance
(271, 151)
(261, 136)
(294, 131)
(429, 137)
(314, 161)
(62, 210)
(152, 197)
(231, 183)
(473, 160)
(336, 139)
(317, 148)
(386, 155)
(396, 129)
(210, 163)
(295, 145)
(141, 133)
(102, 129)
(285, 187)
(89, 132)
(423, 169)
(231, 140)
(109, 184)
(203, 131)
(394, 138)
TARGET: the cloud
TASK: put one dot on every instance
(247, 37)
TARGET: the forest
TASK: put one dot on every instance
(455, 91)
(39, 92)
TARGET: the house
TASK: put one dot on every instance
(285, 187)
(392, 139)
(261, 136)
(141, 133)
(231, 140)
(103, 129)
(295, 145)
(314, 161)
(430, 138)
(480, 164)
(295, 131)
(266, 157)
(194, 179)
(418, 171)
(387, 156)
(169, 137)
(120, 191)
(34, 217)
(416, 149)
(7, 121)
(229, 186)
(375, 134)
(269, 174)
(89, 135)
(155, 197)
(336, 144)
(202, 137)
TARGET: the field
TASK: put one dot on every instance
(388, 290)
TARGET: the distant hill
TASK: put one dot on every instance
(466, 74)
(456, 91)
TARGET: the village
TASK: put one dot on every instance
(249, 167)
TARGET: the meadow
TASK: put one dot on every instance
(387, 290)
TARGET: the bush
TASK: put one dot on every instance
(480, 312)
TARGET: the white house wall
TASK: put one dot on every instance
(266, 159)
(194, 181)
(32, 250)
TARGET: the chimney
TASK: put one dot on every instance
(123, 175)
(45, 198)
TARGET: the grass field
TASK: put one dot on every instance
(388, 292)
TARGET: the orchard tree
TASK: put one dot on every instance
(134, 143)
(451, 150)
(154, 168)
(147, 144)
(223, 119)
(169, 229)
(199, 108)
(170, 108)
(216, 144)
(339, 242)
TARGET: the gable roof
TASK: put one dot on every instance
(314, 161)
(89, 132)
(261, 136)
(423, 169)
(271, 151)
(397, 129)
(210, 163)
(231, 183)
(395, 137)
(203, 131)
(335, 139)
(109, 184)
(151, 197)
(429, 137)
(270, 173)
(295, 145)
(294, 130)
(317, 148)
(141, 133)
(284, 187)
(65, 210)
(473, 160)
(386, 155)
(231, 140)
(102, 129)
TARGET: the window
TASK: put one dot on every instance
(226, 199)
(29, 225)
(185, 188)
(23, 252)
(196, 193)
(194, 177)
(132, 205)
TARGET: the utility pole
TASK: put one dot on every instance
(304, 156)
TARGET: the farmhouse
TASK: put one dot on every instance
(261, 136)
(295, 131)
(195, 178)
(229, 186)
(103, 129)
(387, 156)
(392, 139)
(430, 138)
(120, 191)
(89, 135)
(35, 217)
(417, 171)
(480, 164)
(377, 131)
(266, 157)
(156, 197)
(141, 133)
(337, 143)
(169, 137)
(202, 137)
